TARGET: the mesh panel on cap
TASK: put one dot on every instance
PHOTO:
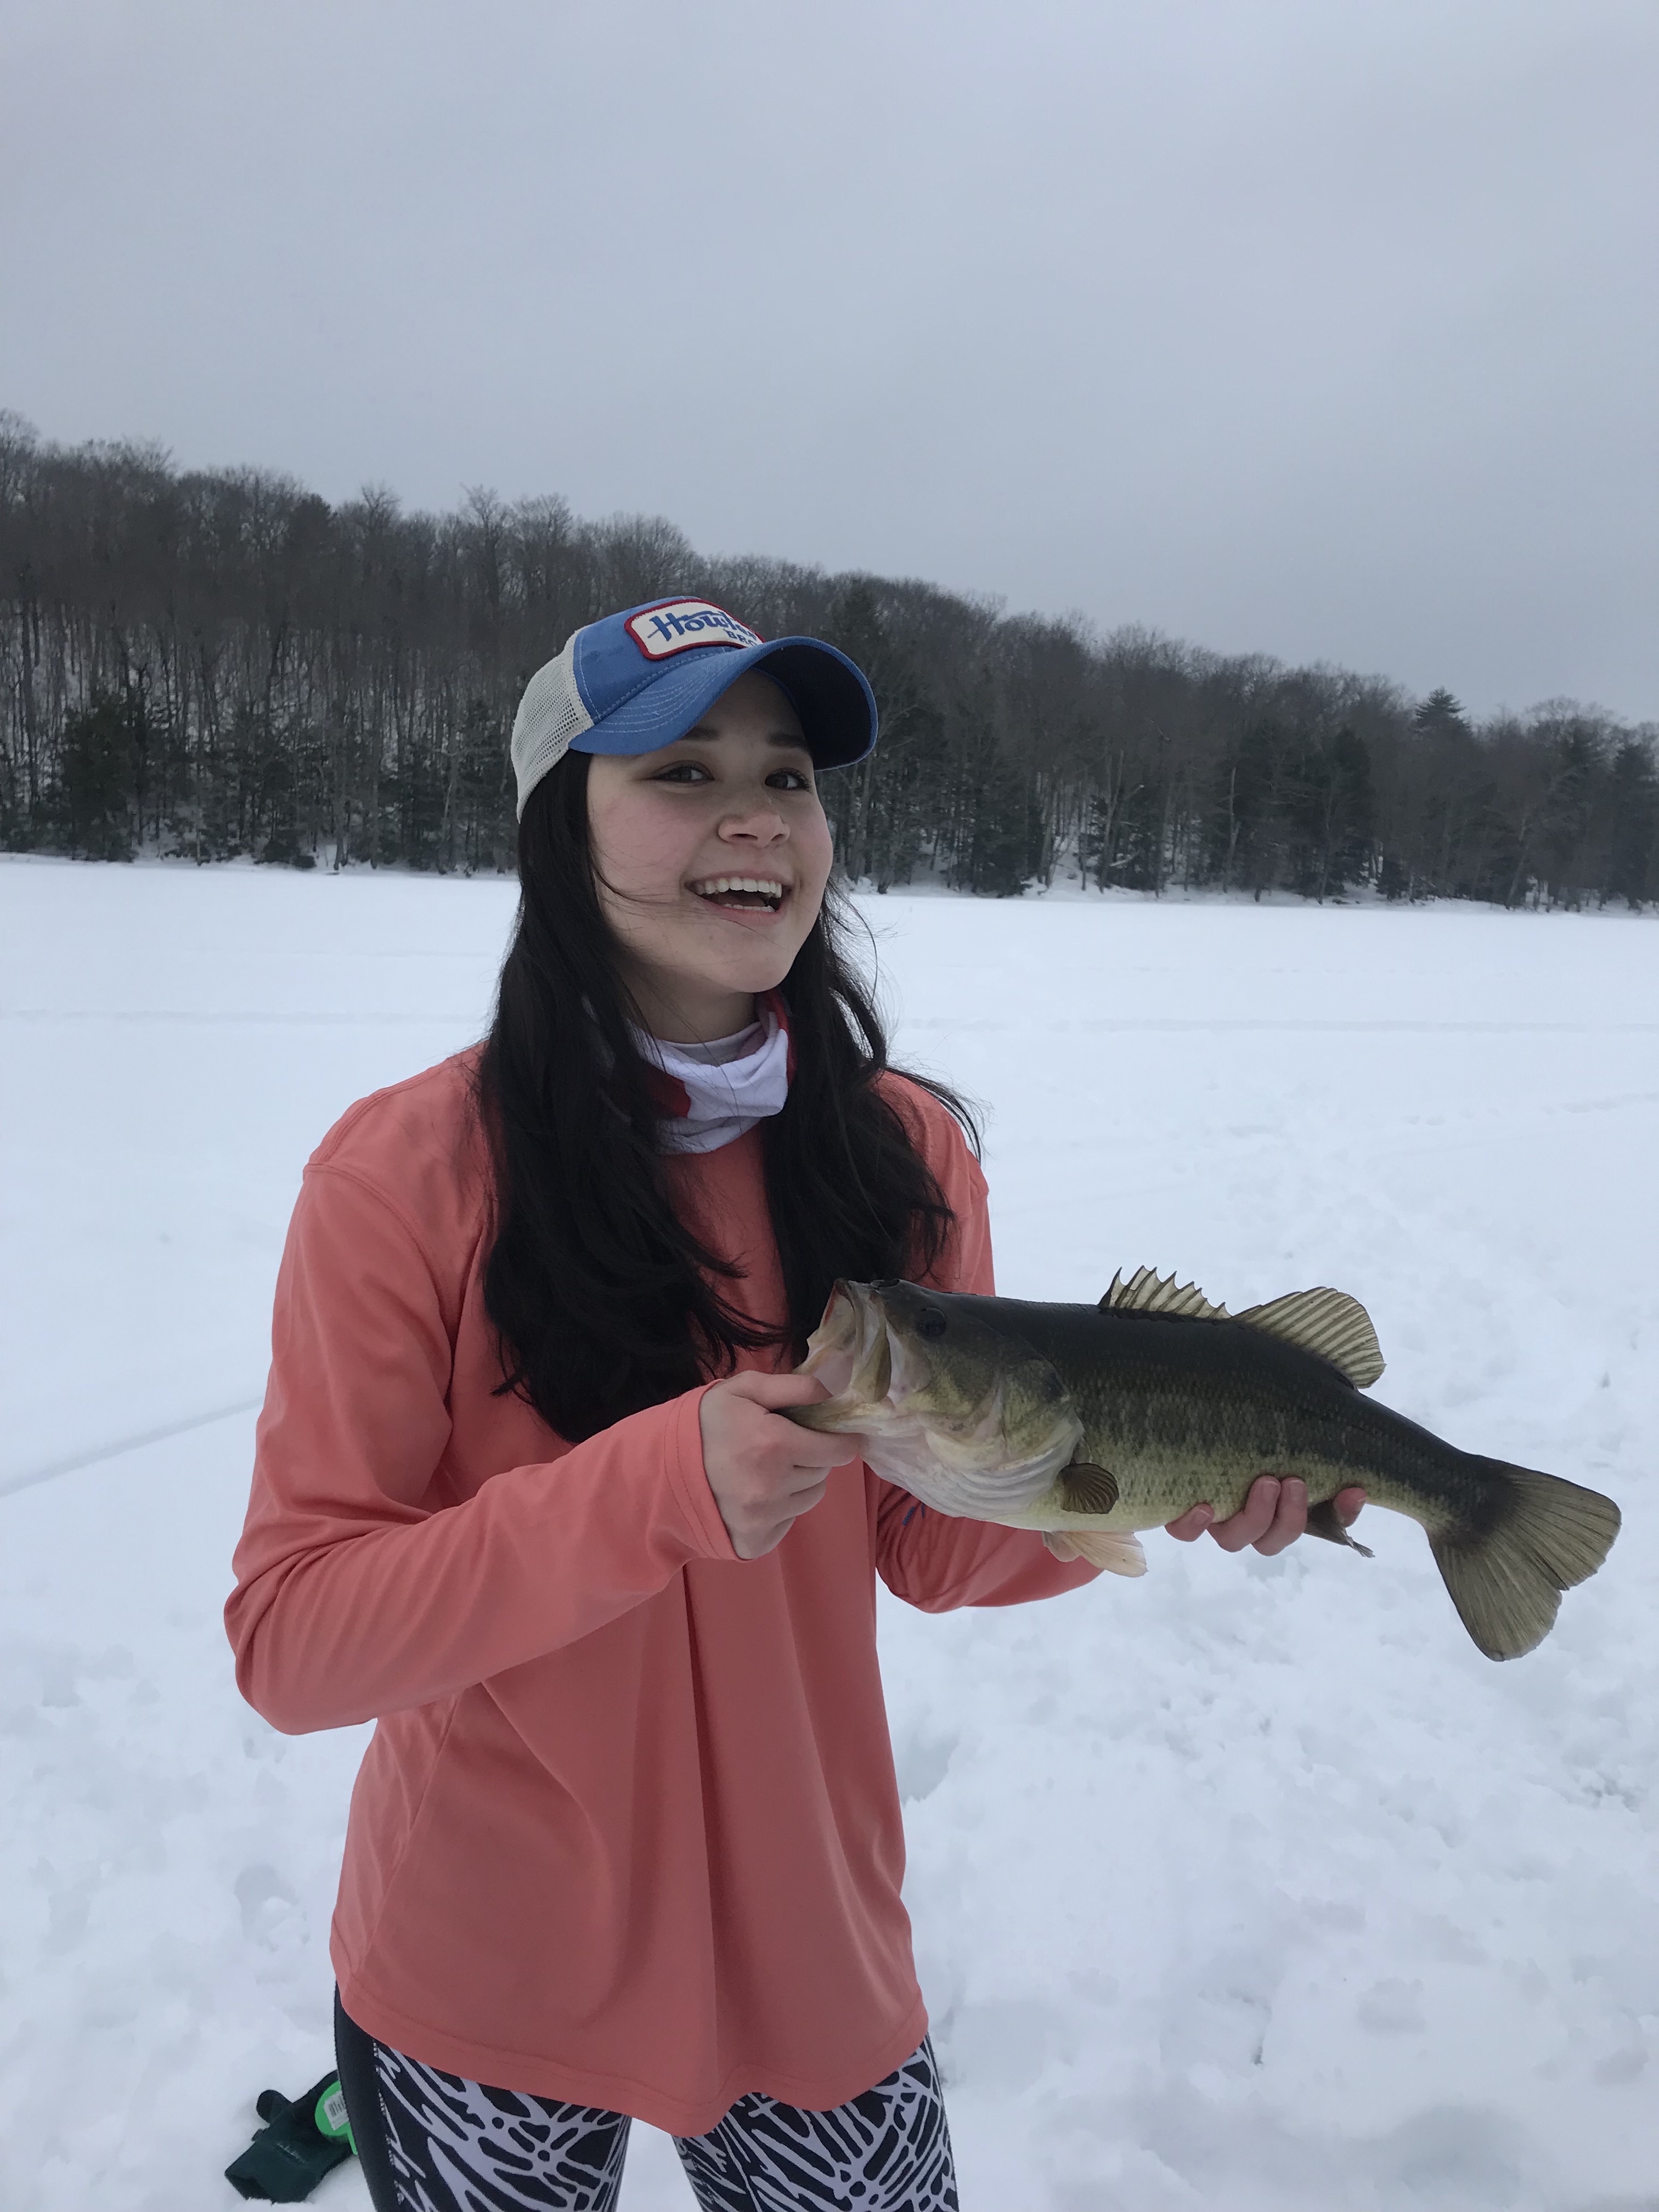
(550, 714)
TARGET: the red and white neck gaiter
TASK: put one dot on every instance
(710, 1094)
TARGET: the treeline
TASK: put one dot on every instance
(218, 663)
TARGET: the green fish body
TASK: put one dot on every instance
(1090, 1423)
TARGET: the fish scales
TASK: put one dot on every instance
(1185, 1411)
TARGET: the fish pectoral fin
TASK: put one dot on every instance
(1147, 1291)
(1085, 1488)
(1322, 1521)
(1118, 1553)
(1328, 1323)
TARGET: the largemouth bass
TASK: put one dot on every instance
(1091, 1422)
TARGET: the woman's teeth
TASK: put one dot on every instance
(742, 890)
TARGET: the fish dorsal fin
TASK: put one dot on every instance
(1328, 1322)
(1146, 1291)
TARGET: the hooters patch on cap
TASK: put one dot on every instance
(676, 625)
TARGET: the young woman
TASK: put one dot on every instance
(626, 1840)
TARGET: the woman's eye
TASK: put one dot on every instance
(685, 772)
(789, 779)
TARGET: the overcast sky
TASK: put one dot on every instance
(1323, 328)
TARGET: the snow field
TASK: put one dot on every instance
(1249, 1885)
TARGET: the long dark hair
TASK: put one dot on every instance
(604, 1300)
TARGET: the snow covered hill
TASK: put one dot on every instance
(1250, 1886)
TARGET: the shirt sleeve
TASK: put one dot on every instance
(937, 1562)
(361, 1589)
(933, 1560)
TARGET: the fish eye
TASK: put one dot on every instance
(931, 1322)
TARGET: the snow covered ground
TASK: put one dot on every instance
(1250, 1886)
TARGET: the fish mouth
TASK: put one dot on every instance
(961, 1445)
(854, 1353)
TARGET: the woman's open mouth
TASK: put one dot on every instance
(743, 894)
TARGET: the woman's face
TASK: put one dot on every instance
(731, 804)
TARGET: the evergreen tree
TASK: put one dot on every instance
(1632, 871)
(99, 760)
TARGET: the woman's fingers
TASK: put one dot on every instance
(1191, 1525)
(1253, 1520)
(1273, 1515)
(763, 1471)
(774, 1391)
(806, 1448)
(772, 1394)
(1263, 1516)
(1287, 1514)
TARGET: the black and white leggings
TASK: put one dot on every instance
(433, 2142)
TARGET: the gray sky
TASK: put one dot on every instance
(1324, 328)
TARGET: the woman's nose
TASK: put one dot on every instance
(760, 818)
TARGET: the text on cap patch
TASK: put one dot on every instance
(678, 625)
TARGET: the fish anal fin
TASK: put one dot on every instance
(1147, 1291)
(1322, 1521)
(1085, 1488)
(1328, 1323)
(1117, 1552)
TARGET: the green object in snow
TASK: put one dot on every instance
(301, 2142)
(331, 2116)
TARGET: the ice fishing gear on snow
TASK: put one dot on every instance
(299, 2144)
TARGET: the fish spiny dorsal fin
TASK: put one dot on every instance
(1328, 1322)
(1148, 1292)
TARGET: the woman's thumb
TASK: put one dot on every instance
(776, 1391)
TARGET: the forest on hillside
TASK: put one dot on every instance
(218, 663)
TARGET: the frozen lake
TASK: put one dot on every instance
(1248, 1886)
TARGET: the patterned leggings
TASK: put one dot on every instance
(433, 2142)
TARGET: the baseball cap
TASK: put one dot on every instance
(641, 678)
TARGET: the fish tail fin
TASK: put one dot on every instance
(1119, 1553)
(1541, 1535)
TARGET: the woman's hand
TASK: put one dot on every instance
(764, 1472)
(1274, 1515)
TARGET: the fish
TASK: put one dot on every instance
(1091, 1423)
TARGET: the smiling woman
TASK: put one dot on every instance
(608, 1293)
(524, 1492)
(627, 1838)
(711, 856)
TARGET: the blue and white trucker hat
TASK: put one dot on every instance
(643, 677)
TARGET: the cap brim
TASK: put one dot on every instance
(830, 694)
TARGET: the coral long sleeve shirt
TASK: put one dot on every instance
(627, 1832)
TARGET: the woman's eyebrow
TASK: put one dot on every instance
(705, 736)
